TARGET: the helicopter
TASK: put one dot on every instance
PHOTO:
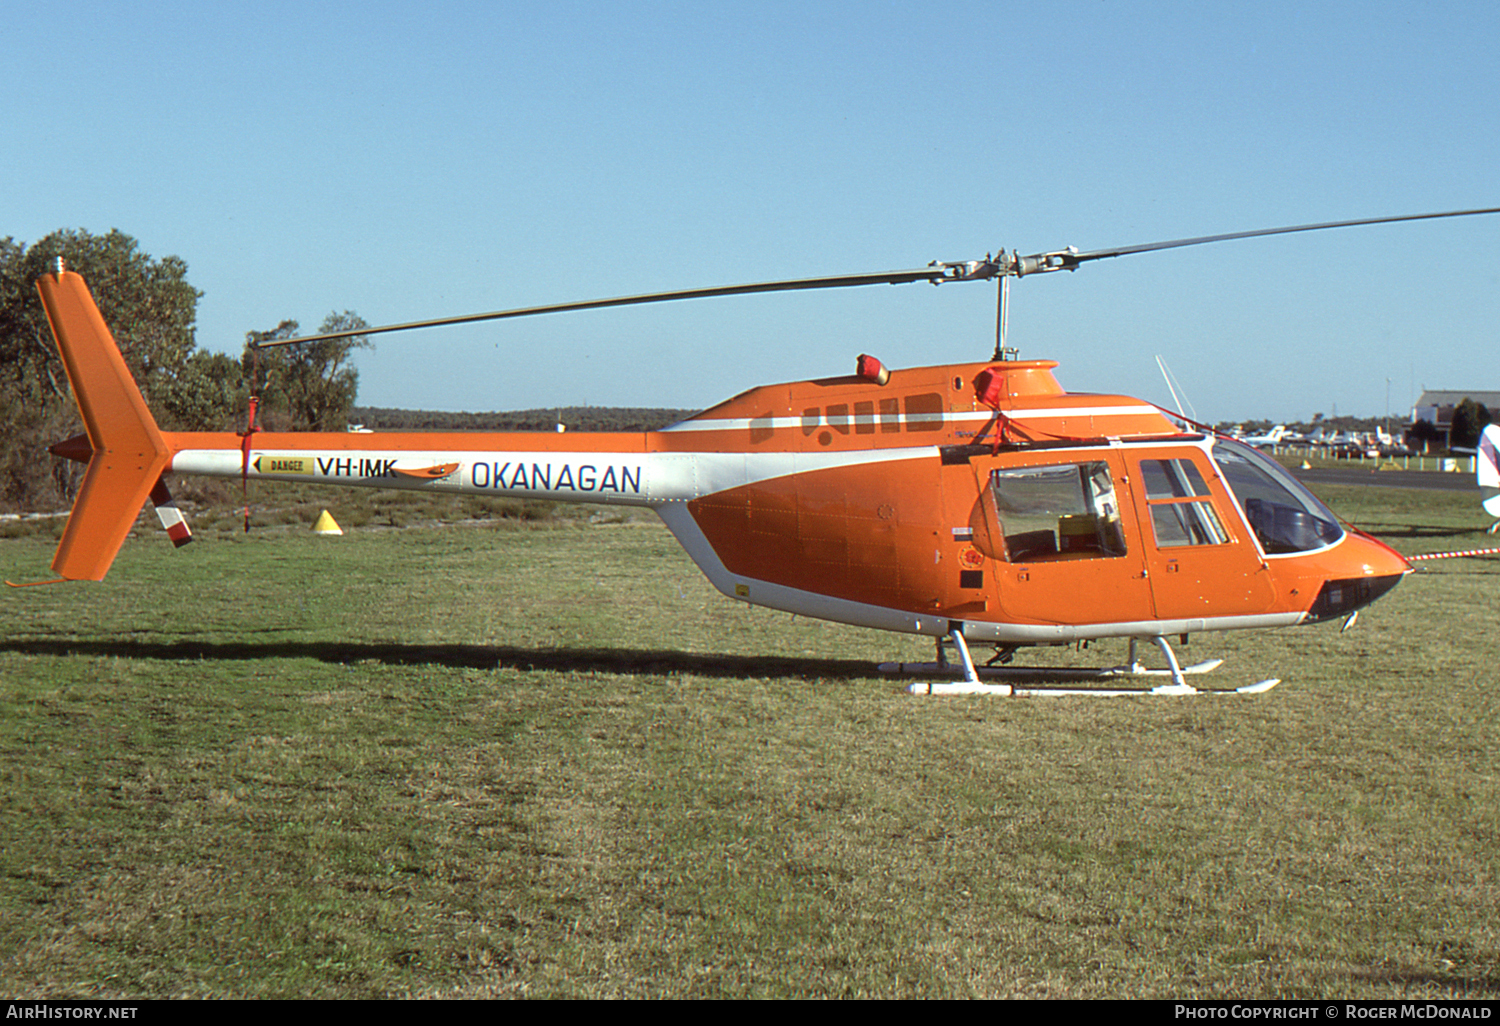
(973, 503)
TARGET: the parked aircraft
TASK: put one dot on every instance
(967, 502)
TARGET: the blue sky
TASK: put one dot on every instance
(409, 160)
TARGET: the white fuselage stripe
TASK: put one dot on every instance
(615, 478)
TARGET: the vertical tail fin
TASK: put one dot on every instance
(129, 452)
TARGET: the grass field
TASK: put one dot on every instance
(541, 757)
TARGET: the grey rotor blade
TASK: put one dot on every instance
(1100, 254)
(936, 272)
(1003, 265)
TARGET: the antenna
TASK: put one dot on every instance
(1171, 382)
(1168, 378)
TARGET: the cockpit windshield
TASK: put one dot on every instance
(1284, 515)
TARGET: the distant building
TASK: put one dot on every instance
(1436, 408)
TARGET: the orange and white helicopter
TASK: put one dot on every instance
(972, 502)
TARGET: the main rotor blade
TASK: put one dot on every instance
(1100, 254)
(1003, 265)
(934, 272)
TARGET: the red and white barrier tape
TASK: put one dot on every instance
(1451, 555)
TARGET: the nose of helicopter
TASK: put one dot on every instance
(1367, 568)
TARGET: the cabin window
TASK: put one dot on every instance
(924, 412)
(1063, 511)
(1284, 515)
(838, 418)
(1181, 511)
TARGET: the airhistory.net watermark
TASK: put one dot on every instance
(33, 1010)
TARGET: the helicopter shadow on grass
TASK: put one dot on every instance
(1449, 986)
(1386, 532)
(624, 662)
(621, 661)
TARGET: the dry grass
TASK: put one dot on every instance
(550, 761)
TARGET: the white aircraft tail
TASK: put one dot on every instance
(1487, 464)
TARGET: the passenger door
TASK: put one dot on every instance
(1201, 560)
(1063, 550)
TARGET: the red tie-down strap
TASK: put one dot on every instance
(989, 389)
(250, 429)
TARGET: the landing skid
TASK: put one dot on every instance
(975, 677)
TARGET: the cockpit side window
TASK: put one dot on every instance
(1284, 515)
(1062, 511)
(1172, 479)
(1182, 513)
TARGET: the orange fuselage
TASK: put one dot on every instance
(978, 497)
(872, 504)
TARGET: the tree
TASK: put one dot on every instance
(308, 387)
(147, 303)
(150, 308)
(1469, 421)
(1422, 436)
(208, 393)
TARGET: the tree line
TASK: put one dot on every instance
(151, 309)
